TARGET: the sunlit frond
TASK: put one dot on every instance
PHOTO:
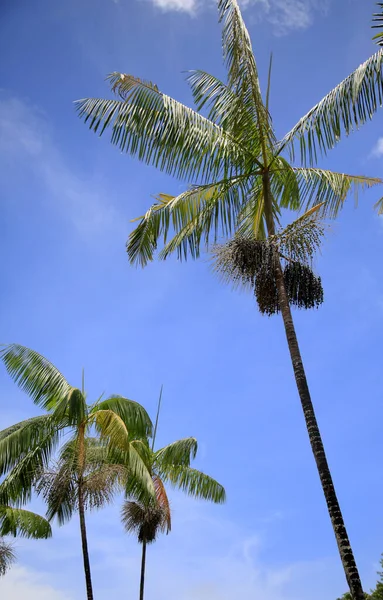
(348, 106)
(194, 483)
(196, 218)
(35, 375)
(162, 132)
(179, 453)
(133, 415)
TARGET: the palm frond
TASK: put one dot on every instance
(194, 483)
(301, 240)
(133, 415)
(35, 375)
(20, 522)
(7, 557)
(241, 66)
(303, 188)
(163, 502)
(348, 106)
(17, 486)
(179, 453)
(196, 217)
(16, 441)
(162, 132)
(226, 109)
(378, 24)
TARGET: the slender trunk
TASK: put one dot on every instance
(143, 563)
(345, 551)
(81, 510)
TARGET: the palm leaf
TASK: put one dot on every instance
(16, 441)
(178, 453)
(20, 522)
(197, 217)
(163, 502)
(348, 106)
(7, 557)
(302, 188)
(378, 20)
(133, 415)
(194, 483)
(160, 131)
(35, 375)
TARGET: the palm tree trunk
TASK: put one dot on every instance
(143, 564)
(345, 550)
(84, 542)
(81, 510)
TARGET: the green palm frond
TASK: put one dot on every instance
(196, 217)
(179, 453)
(7, 557)
(16, 441)
(303, 188)
(194, 483)
(162, 132)
(133, 415)
(20, 522)
(348, 106)
(301, 240)
(72, 409)
(378, 24)
(35, 375)
(241, 67)
(226, 109)
(17, 486)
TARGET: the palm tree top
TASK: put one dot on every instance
(226, 154)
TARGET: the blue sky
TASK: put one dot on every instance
(68, 291)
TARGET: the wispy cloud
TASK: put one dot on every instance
(377, 151)
(27, 144)
(284, 16)
(21, 583)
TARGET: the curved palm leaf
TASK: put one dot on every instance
(194, 483)
(179, 453)
(161, 131)
(35, 375)
(348, 106)
(19, 522)
(133, 415)
(378, 19)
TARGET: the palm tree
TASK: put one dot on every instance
(147, 515)
(26, 448)
(244, 179)
(145, 520)
(18, 522)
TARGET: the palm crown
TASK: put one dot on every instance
(232, 150)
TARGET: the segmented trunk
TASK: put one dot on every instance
(81, 510)
(345, 550)
(143, 564)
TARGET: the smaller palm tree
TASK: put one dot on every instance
(7, 556)
(146, 521)
(147, 516)
(19, 522)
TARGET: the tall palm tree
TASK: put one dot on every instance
(147, 515)
(18, 522)
(243, 178)
(26, 448)
(83, 478)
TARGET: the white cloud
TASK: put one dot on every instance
(27, 144)
(377, 150)
(21, 584)
(284, 15)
